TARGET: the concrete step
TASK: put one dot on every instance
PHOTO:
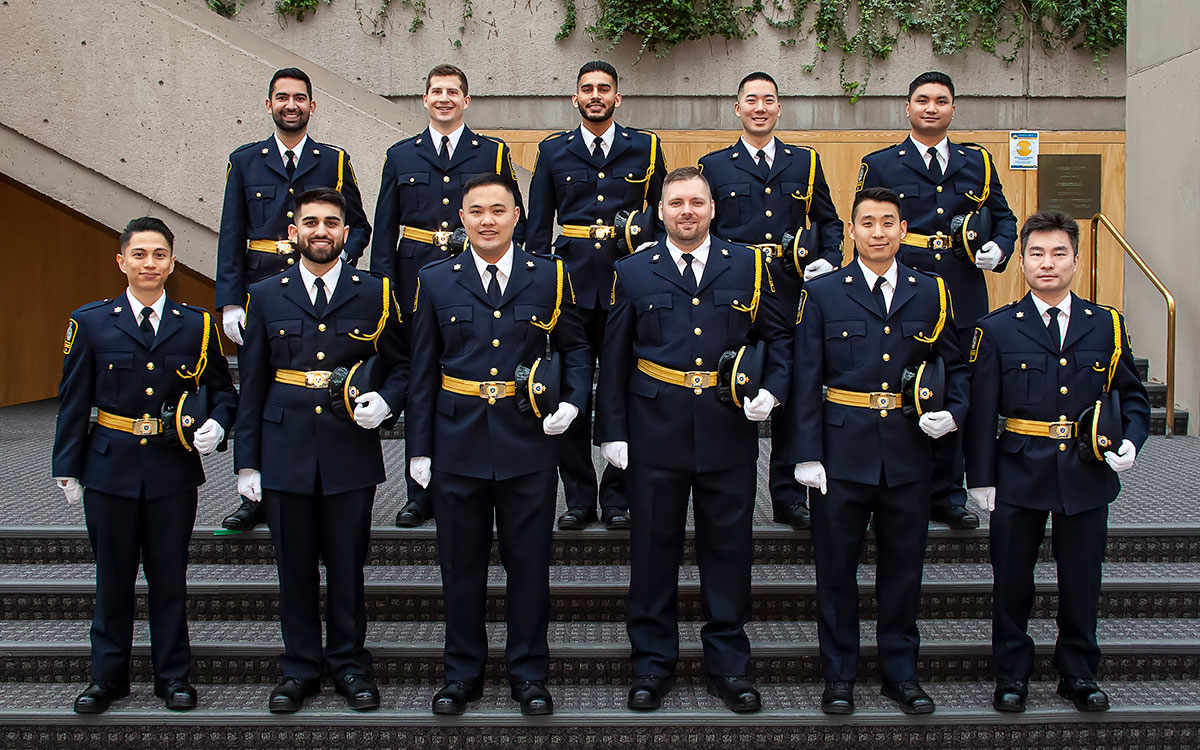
(1158, 421)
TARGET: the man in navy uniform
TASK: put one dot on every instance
(765, 188)
(584, 177)
(677, 307)
(315, 470)
(127, 357)
(261, 185)
(420, 195)
(1040, 363)
(938, 180)
(479, 316)
(858, 330)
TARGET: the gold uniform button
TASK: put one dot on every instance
(495, 342)
(291, 191)
(939, 188)
(445, 201)
(149, 391)
(767, 191)
(143, 441)
(318, 409)
(412, 179)
(1062, 447)
(453, 318)
(445, 224)
(258, 195)
(320, 355)
(1063, 390)
(699, 361)
(698, 391)
(883, 413)
(290, 214)
(491, 399)
(356, 333)
(445, 178)
(568, 178)
(290, 262)
(767, 212)
(941, 210)
(695, 301)
(883, 386)
(732, 193)
(902, 195)
(600, 175)
(887, 357)
(494, 371)
(1024, 366)
(495, 313)
(887, 329)
(767, 235)
(600, 198)
(149, 365)
(110, 363)
(281, 332)
(1062, 362)
(845, 334)
(937, 256)
(1062, 417)
(697, 331)
(321, 327)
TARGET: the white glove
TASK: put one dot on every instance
(812, 474)
(208, 437)
(420, 468)
(71, 488)
(759, 408)
(985, 497)
(558, 422)
(988, 256)
(816, 268)
(250, 484)
(233, 320)
(370, 410)
(1123, 458)
(616, 453)
(937, 423)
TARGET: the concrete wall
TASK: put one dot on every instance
(1163, 190)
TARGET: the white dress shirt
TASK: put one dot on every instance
(157, 307)
(943, 152)
(1064, 315)
(503, 269)
(589, 139)
(298, 150)
(330, 279)
(768, 149)
(699, 258)
(436, 137)
(889, 280)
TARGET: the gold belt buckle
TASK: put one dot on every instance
(441, 238)
(601, 232)
(317, 379)
(883, 400)
(491, 389)
(284, 247)
(937, 243)
(696, 379)
(145, 427)
(1062, 430)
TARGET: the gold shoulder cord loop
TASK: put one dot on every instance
(1117, 348)
(752, 308)
(943, 304)
(558, 293)
(812, 180)
(341, 157)
(202, 361)
(987, 179)
(650, 169)
(373, 337)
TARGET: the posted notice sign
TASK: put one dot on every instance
(1022, 149)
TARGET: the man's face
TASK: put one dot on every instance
(686, 211)
(290, 106)
(596, 96)
(930, 109)
(758, 108)
(489, 215)
(877, 231)
(1049, 262)
(319, 232)
(146, 261)
(446, 102)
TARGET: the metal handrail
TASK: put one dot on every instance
(1100, 219)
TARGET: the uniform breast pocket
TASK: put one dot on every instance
(731, 306)
(1024, 377)
(259, 199)
(1091, 372)
(962, 187)
(284, 339)
(572, 181)
(531, 318)
(652, 310)
(909, 194)
(912, 328)
(113, 376)
(413, 190)
(355, 327)
(733, 200)
(455, 323)
(845, 343)
(797, 191)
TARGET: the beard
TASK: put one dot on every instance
(606, 115)
(300, 124)
(319, 255)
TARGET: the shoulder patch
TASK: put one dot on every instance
(800, 307)
(69, 339)
(862, 176)
(975, 342)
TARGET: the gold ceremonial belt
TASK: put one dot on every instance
(775, 251)
(687, 379)
(489, 389)
(1062, 430)
(877, 400)
(275, 247)
(440, 238)
(932, 242)
(589, 231)
(147, 425)
(310, 379)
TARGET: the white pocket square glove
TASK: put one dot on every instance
(937, 423)
(985, 497)
(816, 268)
(370, 410)
(420, 468)
(71, 488)
(759, 408)
(1123, 458)
(206, 439)
(988, 256)
(558, 422)
(233, 320)
(812, 474)
(616, 453)
(249, 484)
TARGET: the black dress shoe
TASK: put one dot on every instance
(838, 698)
(454, 696)
(359, 691)
(248, 515)
(97, 696)
(615, 519)
(411, 515)
(576, 518)
(795, 515)
(648, 692)
(737, 691)
(1085, 694)
(956, 517)
(1010, 696)
(177, 693)
(534, 698)
(910, 696)
(288, 696)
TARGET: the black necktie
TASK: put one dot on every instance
(763, 168)
(147, 327)
(321, 301)
(291, 163)
(689, 274)
(877, 293)
(493, 287)
(935, 166)
(598, 148)
(1053, 329)
(445, 149)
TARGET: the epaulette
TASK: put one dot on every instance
(799, 146)
(329, 145)
(999, 310)
(730, 147)
(643, 131)
(403, 141)
(885, 148)
(631, 256)
(94, 305)
(245, 146)
(441, 262)
(192, 308)
(554, 135)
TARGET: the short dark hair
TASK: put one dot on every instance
(484, 179)
(757, 76)
(446, 69)
(321, 195)
(932, 76)
(1050, 221)
(597, 66)
(296, 73)
(147, 224)
(878, 194)
(682, 174)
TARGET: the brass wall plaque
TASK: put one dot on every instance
(1069, 183)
